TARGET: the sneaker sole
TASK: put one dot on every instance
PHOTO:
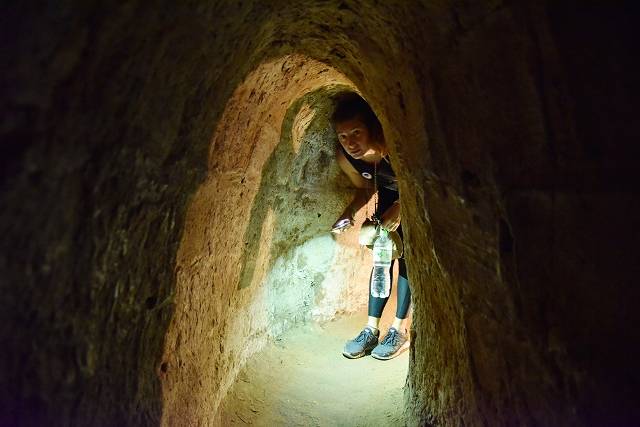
(356, 356)
(401, 350)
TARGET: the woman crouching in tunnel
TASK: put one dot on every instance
(363, 156)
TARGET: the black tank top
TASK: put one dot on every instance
(385, 177)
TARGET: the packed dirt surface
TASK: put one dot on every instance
(302, 379)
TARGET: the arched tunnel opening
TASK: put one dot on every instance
(167, 182)
(291, 289)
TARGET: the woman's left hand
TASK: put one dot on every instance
(391, 217)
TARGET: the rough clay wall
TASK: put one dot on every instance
(532, 211)
(513, 125)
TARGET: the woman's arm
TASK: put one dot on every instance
(361, 198)
(363, 187)
(391, 217)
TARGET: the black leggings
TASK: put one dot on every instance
(376, 305)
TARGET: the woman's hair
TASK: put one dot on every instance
(350, 105)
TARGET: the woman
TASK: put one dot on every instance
(363, 156)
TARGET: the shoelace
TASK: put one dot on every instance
(363, 335)
(391, 338)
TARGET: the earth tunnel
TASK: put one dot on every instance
(168, 180)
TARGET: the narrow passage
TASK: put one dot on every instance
(302, 379)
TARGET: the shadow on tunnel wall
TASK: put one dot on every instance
(301, 193)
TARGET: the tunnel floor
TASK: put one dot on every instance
(303, 379)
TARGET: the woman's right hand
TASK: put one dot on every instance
(344, 222)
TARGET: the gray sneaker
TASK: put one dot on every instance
(394, 343)
(362, 344)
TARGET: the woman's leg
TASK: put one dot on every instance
(395, 341)
(376, 305)
(404, 295)
(367, 340)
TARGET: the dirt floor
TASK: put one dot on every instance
(302, 379)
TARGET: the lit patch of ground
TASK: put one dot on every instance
(303, 379)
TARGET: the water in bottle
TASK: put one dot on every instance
(382, 254)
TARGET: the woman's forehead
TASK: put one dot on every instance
(350, 125)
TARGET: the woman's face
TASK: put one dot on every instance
(355, 138)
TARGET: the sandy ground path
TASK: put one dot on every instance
(302, 379)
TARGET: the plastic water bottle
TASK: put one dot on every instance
(382, 254)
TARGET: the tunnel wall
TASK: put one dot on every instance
(527, 195)
(94, 188)
(512, 126)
